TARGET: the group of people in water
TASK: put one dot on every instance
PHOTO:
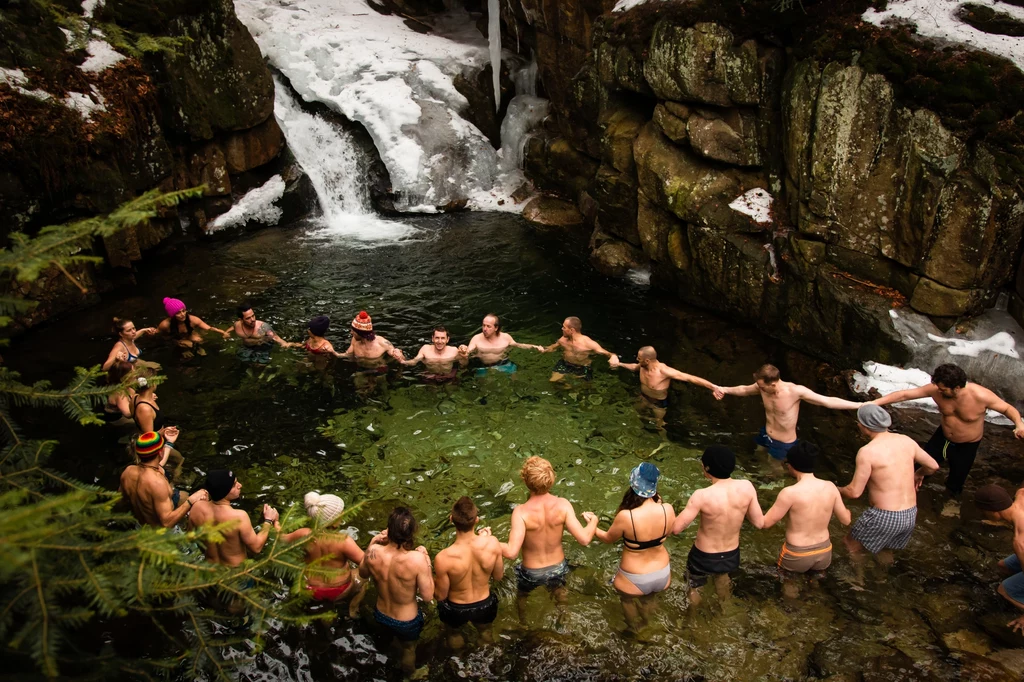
(890, 467)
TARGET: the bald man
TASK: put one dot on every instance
(656, 377)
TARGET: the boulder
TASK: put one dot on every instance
(615, 258)
(207, 166)
(553, 164)
(620, 127)
(686, 185)
(702, 64)
(932, 298)
(551, 212)
(654, 227)
(254, 147)
(620, 67)
(730, 136)
(615, 195)
(671, 119)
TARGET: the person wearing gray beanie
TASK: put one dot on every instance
(885, 467)
(722, 506)
(962, 405)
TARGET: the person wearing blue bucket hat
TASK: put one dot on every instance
(642, 522)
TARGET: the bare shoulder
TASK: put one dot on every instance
(981, 393)
(747, 486)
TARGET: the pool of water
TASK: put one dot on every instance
(290, 427)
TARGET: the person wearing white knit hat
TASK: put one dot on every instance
(332, 551)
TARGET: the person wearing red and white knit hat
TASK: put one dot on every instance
(367, 348)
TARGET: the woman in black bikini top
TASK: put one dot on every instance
(149, 417)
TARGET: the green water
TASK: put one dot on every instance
(291, 427)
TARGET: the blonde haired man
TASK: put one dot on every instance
(537, 527)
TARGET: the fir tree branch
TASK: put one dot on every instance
(49, 665)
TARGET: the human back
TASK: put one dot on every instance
(468, 565)
(231, 552)
(723, 506)
(649, 522)
(811, 504)
(544, 519)
(891, 485)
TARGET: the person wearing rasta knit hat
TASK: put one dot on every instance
(224, 488)
(183, 327)
(145, 486)
(644, 568)
(722, 506)
(367, 348)
(997, 506)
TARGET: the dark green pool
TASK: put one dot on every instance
(288, 428)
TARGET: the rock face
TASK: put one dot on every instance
(874, 204)
(197, 114)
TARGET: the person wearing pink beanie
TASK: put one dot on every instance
(183, 327)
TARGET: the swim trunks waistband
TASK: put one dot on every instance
(550, 576)
(879, 529)
(700, 565)
(434, 378)
(775, 448)
(959, 455)
(479, 613)
(804, 559)
(656, 402)
(406, 630)
(505, 366)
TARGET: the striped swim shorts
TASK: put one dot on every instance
(879, 529)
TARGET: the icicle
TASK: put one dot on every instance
(494, 38)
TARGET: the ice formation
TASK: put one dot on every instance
(757, 203)
(626, 5)
(938, 19)
(397, 83)
(494, 48)
(257, 205)
(335, 166)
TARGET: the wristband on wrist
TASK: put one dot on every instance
(190, 505)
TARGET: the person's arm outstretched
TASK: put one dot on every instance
(809, 396)
(688, 514)
(583, 535)
(675, 374)
(926, 391)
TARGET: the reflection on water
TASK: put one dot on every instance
(288, 427)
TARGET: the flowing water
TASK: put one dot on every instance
(290, 427)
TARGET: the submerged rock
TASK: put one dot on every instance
(551, 212)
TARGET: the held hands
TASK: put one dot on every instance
(485, 531)
(198, 496)
(613, 361)
(270, 514)
(718, 392)
(226, 335)
(171, 434)
(464, 351)
(148, 331)
(918, 480)
(380, 538)
(397, 354)
(1019, 431)
(591, 517)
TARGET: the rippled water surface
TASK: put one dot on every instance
(289, 427)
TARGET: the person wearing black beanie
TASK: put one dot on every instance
(722, 506)
(224, 488)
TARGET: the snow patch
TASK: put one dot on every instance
(757, 203)
(257, 205)
(85, 105)
(887, 379)
(101, 56)
(639, 276)
(937, 19)
(1002, 343)
(89, 7)
(626, 5)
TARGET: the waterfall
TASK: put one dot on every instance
(494, 43)
(336, 167)
(525, 112)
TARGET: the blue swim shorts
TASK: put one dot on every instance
(505, 366)
(775, 448)
(1014, 585)
(406, 630)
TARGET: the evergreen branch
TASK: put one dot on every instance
(49, 665)
(101, 594)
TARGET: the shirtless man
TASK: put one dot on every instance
(996, 505)
(576, 349)
(257, 336)
(441, 360)
(491, 347)
(722, 507)
(224, 488)
(182, 326)
(885, 466)
(781, 407)
(368, 349)
(962, 406)
(463, 574)
(810, 505)
(537, 527)
(145, 486)
(655, 379)
(400, 572)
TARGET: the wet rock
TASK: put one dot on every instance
(615, 196)
(932, 298)
(1011, 659)
(553, 164)
(615, 258)
(979, 668)
(620, 67)
(551, 212)
(672, 124)
(994, 625)
(478, 89)
(966, 640)
(253, 147)
(683, 183)
(654, 227)
(895, 667)
(621, 126)
(208, 167)
(701, 64)
(729, 136)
